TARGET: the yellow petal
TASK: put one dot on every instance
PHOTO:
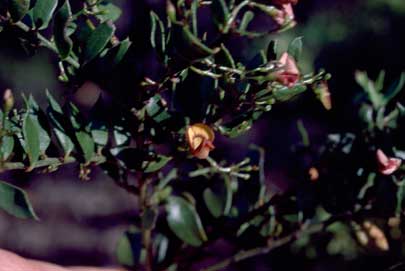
(197, 133)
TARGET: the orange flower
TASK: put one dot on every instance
(387, 165)
(289, 74)
(200, 138)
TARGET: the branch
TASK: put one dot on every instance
(274, 244)
(48, 162)
(47, 44)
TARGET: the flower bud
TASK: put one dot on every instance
(284, 15)
(313, 174)
(387, 165)
(372, 237)
(8, 100)
(289, 74)
(200, 138)
(323, 94)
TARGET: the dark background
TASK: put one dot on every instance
(82, 221)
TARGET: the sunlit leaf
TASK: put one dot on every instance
(184, 221)
(31, 138)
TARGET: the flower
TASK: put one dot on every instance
(289, 74)
(387, 165)
(285, 14)
(8, 100)
(200, 138)
(313, 174)
(283, 2)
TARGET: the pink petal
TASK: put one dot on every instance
(382, 159)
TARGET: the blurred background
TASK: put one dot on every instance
(81, 222)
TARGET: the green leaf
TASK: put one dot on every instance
(303, 133)
(99, 132)
(184, 221)
(31, 138)
(285, 94)
(395, 89)
(158, 163)
(379, 83)
(18, 9)
(57, 119)
(42, 12)
(160, 247)
(41, 122)
(247, 18)
(122, 136)
(237, 126)
(108, 12)
(129, 248)
(157, 38)
(194, 11)
(82, 133)
(97, 41)
(220, 11)
(7, 146)
(196, 43)
(118, 52)
(62, 21)
(155, 109)
(218, 199)
(376, 98)
(86, 144)
(15, 201)
(295, 48)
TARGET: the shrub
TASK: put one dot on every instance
(155, 135)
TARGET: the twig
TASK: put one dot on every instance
(146, 232)
(47, 162)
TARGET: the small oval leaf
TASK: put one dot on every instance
(97, 40)
(31, 138)
(129, 248)
(184, 221)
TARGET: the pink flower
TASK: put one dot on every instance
(289, 74)
(284, 14)
(283, 2)
(387, 165)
